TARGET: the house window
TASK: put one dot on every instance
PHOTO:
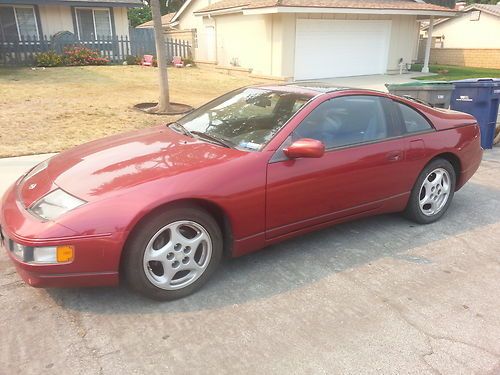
(18, 22)
(475, 15)
(93, 23)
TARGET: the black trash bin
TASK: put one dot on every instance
(436, 93)
(479, 97)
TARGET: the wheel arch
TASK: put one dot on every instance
(215, 210)
(454, 161)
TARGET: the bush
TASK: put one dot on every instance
(78, 55)
(133, 60)
(48, 59)
(189, 61)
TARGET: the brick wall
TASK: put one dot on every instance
(480, 58)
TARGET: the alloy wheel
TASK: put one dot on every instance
(177, 255)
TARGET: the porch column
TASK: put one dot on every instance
(425, 68)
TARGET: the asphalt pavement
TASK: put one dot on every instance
(375, 296)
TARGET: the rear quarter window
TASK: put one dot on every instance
(413, 121)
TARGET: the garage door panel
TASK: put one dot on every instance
(339, 48)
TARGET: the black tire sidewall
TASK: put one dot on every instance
(132, 264)
(413, 210)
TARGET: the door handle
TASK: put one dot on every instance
(394, 155)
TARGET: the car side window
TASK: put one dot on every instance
(413, 121)
(345, 121)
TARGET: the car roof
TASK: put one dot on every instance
(311, 88)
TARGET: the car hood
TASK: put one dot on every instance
(115, 163)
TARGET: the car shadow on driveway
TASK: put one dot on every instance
(302, 261)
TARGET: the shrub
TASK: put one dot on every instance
(189, 61)
(133, 60)
(79, 55)
(49, 58)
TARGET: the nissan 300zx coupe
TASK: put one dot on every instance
(159, 207)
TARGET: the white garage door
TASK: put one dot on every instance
(340, 48)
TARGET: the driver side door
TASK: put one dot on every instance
(358, 173)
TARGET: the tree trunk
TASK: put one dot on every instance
(161, 57)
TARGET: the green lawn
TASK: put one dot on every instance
(456, 72)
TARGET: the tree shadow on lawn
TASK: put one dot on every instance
(302, 261)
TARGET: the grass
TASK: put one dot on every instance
(456, 72)
(56, 108)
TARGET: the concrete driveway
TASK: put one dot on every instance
(375, 296)
(375, 82)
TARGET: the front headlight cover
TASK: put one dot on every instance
(55, 204)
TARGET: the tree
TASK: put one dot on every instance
(161, 56)
(138, 16)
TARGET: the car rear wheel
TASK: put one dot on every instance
(432, 194)
(173, 253)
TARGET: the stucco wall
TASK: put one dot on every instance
(55, 18)
(266, 43)
(245, 40)
(461, 32)
(189, 21)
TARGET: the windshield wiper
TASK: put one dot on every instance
(177, 126)
(209, 137)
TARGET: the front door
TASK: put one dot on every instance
(359, 172)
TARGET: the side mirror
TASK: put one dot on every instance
(305, 148)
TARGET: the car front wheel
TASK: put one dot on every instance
(432, 194)
(173, 253)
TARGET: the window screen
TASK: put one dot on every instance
(102, 25)
(93, 23)
(27, 23)
(8, 28)
(17, 22)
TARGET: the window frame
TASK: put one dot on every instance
(93, 9)
(387, 107)
(400, 121)
(385, 102)
(35, 17)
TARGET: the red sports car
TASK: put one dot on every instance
(159, 207)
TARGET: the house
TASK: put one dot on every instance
(306, 39)
(86, 19)
(171, 29)
(165, 22)
(472, 39)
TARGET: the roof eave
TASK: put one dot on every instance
(217, 12)
(287, 9)
(125, 4)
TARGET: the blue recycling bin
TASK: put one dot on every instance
(479, 97)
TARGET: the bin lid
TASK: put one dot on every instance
(478, 82)
(418, 83)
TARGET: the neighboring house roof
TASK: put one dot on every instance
(124, 3)
(488, 8)
(344, 4)
(165, 21)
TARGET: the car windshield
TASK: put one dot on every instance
(246, 119)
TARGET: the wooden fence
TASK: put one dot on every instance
(115, 48)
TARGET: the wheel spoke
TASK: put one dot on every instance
(156, 255)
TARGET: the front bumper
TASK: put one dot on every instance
(96, 256)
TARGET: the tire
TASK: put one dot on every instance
(429, 203)
(154, 264)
